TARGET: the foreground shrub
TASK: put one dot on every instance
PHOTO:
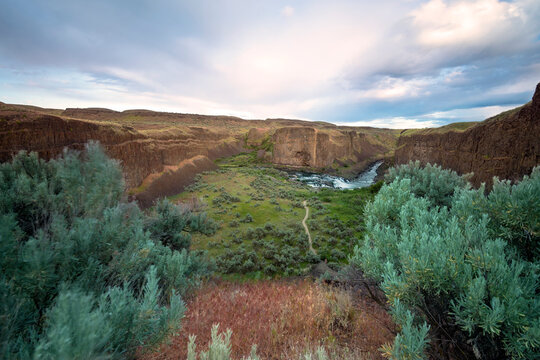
(432, 182)
(84, 275)
(460, 268)
(219, 348)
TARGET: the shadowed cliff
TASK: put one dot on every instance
(506, 145)
(162, 152)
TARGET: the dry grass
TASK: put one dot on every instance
(283, 319)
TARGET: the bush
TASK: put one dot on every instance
(513, 212)
(446, 256)
(167, 224)
(431, 181)
(84, 275)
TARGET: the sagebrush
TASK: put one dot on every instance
(84, 274)
(456, 263)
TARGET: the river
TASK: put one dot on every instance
(364, 179)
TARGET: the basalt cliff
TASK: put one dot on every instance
(162, 152)
(309, 147)
(506, 145)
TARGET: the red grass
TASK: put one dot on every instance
(283, 319)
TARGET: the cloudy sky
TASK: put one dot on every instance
(388, 63)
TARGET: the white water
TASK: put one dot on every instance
(364, 179)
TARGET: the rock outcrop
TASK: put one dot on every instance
(162, 152)
(314, 148)
(506, 146)
(143, 158)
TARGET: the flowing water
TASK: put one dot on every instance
(364, 179)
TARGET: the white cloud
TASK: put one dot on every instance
(395, 123)
(390, 88)
(287, 11)
(303, 59)
(466, 23)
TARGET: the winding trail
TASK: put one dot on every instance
(306, 228)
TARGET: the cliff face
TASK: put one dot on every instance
(322, 148)
(161, 152)
(141, 156)
(507, 146)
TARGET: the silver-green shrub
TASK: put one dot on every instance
(447, 258)
(84, 275)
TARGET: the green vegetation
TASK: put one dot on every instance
(455, 127)
(260, 213)
(456, 264)
(84, 275)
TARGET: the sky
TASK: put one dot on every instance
(399, 64)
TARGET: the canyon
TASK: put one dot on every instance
(161, 153)
(506, 145)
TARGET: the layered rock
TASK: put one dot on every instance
(161, 152)
(322, 148)
(506, 146)
(172, 179)
(140, 155)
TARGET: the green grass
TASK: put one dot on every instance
(248, 159)
(455, 127)
(241, 186)
(239, 182)
(347, 205)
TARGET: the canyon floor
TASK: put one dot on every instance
(266, 288)
(261, 210)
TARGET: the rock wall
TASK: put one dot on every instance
(314, 148)
(139, 154)
(173, 179)
(507, 146)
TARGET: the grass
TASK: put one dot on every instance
(239, 183)
(283, 319)
(273, 242)
(252, 204)
(455, 127)
(346, 205)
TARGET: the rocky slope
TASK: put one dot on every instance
(325, 149)
(145, 158)
(161, 152)
(507, 145)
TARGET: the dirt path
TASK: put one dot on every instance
(306, 228)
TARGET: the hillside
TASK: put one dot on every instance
(506, 145)
(161, 152)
